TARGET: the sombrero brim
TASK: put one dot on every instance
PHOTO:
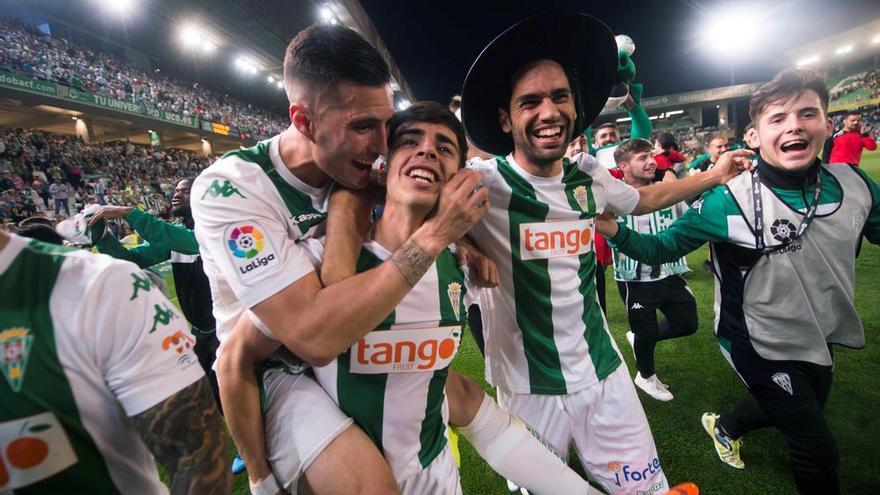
(576, 41)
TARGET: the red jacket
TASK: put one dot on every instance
(848, 146)
(668, 159)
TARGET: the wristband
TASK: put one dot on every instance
(266, 486)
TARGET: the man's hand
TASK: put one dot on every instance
(463, 201)
(606, 224)
(730, 164)
(482, 271)
(109, 212)
(863, 128)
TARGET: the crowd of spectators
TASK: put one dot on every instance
(28, 51)
(54, 176)
(867, 82)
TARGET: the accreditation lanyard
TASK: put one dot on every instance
(759, 214)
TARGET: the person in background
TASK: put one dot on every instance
(846, 145)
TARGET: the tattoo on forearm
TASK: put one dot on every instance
(185, 434)
(412, 262)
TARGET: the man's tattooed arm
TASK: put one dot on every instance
(412, 262)
(185, 433)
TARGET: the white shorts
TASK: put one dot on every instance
(608, 427)
(300, 420)
(439, 478)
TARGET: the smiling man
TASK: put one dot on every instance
(783, 240)
(548, 349)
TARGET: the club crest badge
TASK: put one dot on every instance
(15, 348)
(453, 290)
(580, 195)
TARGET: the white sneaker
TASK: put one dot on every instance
(653, 387)
(631, 338)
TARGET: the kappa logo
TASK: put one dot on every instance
(544, 240)
(405, 351)
(637, 306)
(453, 290)
(784, 381)
(782, 230)
(226, 190)
(15, 348)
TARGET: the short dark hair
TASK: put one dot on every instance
(323, 55)
(788, 84)
(630, 147)
(667, 141)
(852, 112)
(716, 136)
(40, 232)
(432, 113)
(607, 125)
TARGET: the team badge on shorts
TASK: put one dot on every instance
(784, 381)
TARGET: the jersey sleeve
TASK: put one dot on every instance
(871, 230)
(620, 198)
(142, 344)
(706, 220)
(245, 233)
(175, 237)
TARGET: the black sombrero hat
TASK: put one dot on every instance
(581, 44)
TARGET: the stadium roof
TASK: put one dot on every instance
(842, 48)
(260, 30)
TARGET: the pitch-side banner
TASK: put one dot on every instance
(129, 107)
(28, 84)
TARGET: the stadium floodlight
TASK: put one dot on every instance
(843, 50)
(245, 64)
(190, 35)
(270, 79)
(119, 7)
(876, 40)
(403, 104)
(812, 59)
(624, 119)
(326, 14)
(280, 84)
(208, 46)
(731, 31)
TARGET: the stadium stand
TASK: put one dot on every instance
(118, 173)
(28, 51)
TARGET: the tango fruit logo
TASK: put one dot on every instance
(32, 449)
(555, 239)
(405, 351)
(245, 241)
(624, 473)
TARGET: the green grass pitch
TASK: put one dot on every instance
(702, 381)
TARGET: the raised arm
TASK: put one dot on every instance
(156, 231)
(664, 194)
(186, 436)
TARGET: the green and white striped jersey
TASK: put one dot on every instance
(86, 341)
(544, 329)
(249, 211)
(627, 269)
(391, 382)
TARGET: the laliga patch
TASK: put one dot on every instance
(33, 449)
(543, 240)
(249, 250)
(405, 351)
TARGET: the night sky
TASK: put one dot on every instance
(434, 43)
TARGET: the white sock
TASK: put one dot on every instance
(505, 443)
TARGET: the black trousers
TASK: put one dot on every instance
(791, 396)
(206, 350)
(642, 299)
